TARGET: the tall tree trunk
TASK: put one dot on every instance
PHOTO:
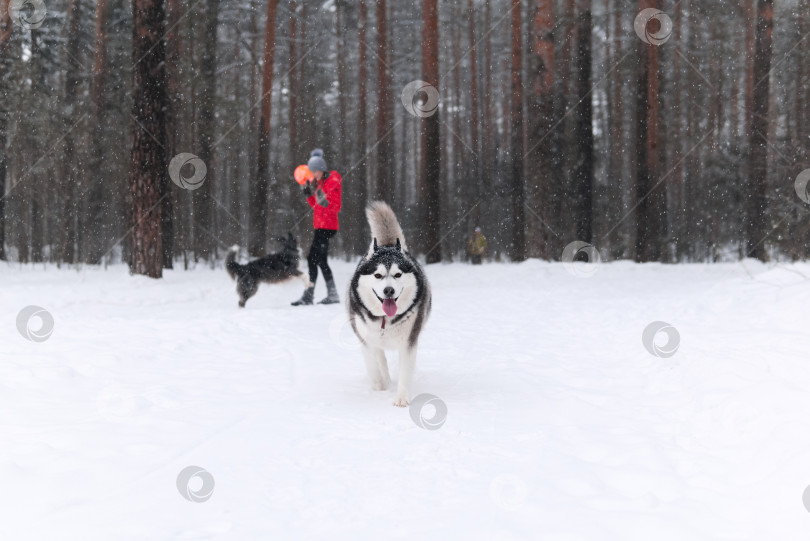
(360, 184)
(97, 218)
(148, 165)
(292, 76)
(257, 242)
(173, 121)
(475, 120)
(431, 133)
(583, 174)
(383, 187)
(5, 38)
(758, 154)
(517, 192)
(70, 177)
(561, 195)
(750, 53)
(204, 243)
(540, 117)
(488, 142)
(651, 199)
(343, 83)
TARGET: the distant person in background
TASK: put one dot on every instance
(323, 194)
(477, 246)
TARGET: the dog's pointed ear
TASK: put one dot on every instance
(375, 244)
(399, 246)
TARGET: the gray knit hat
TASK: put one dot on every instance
(316, 161)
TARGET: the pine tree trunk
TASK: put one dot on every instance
(257, 241)
(540, 117)
(518, 237)
(583, 175)
(758, 164)
(173, 122)
(360, 184)
(69, 188)
(650, 199)
(383, 187)
(475, 119)
(431, 133)
(148, 162)
(292, 75)
(5, 38)
(204, 243)
(97, 217)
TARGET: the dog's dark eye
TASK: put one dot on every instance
(378, 276)
(398, 275)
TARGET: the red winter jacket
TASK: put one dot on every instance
(327, 217)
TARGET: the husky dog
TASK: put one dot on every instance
(272, 269)
(388, 302)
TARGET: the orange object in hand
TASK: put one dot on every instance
(302, 174)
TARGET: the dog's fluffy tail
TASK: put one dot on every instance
(233, 268)
(384, 225)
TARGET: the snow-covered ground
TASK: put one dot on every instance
(560, 425)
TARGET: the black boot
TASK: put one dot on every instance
(331, 293)
(306, 298)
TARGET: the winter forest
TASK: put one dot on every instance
(677, 135)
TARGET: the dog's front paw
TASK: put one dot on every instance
(379, 384)
(401, 401)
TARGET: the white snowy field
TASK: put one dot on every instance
(561, 426)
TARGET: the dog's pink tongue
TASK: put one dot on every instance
(390, 307)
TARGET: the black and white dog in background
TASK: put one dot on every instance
(388, 301)
(272, 269)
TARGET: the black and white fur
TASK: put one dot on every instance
(271, 269)
(388, 271)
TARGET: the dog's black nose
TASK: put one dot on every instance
(389, 291)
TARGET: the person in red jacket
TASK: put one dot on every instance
(323, 195)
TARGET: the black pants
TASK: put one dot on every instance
(318, 253)
(476, 259)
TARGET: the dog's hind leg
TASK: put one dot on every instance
(304, 278)
(246, 287)
(377, 368)
(407, 363)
